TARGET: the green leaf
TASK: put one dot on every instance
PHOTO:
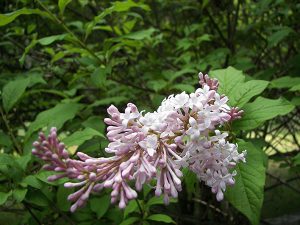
(161, 218)
(243, 93)
(295, 88)
(26, 50)
(4, 196)
(80, 137)
(62, 198)
(171, 75)
(96, 123)
(49, 40)
(262, 109)
(100, 205)
(32, 181)
(296, 101)
(116, 7)
(54, 117)
(43, 176)
(190, 181)
(285, 82)
(158, 201)
(248, 192)
(126, 5)
(108, 101)
(229, 79)
(130, 221)
(98, 77)
(12, 92)
(5, 139)
(6, 159)
(62, 5)
(296, 159)
(138, 35)
(278, 36)
(157, 85)
(37, 197)
(23, 161)
(9, 17)
(19, 194)
(131, 207)
(44, 41)
(184, 87)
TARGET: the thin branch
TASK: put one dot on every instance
(283, 183)
(210, 206)
(63, 25)
(279, 183)
(31, 213)
(216, 27)
(14, 139)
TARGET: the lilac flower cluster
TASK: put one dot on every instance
(183, 132)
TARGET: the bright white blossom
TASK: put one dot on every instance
(185, 131)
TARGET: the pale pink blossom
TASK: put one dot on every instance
(184, 132)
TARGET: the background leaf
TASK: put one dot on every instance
(100, 205)
(9, 17)
(160, 218)
(79, 137)
(62, 5)
(54, 117)
(12, 92)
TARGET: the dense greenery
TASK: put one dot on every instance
(62, 63)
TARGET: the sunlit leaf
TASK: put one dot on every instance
(9, 17)
(62, 5)
(54, 117)
(79, 137)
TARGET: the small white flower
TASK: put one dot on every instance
(150, 144)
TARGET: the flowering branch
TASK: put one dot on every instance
(183, 132)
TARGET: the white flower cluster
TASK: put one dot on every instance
(183, 132)
(192, 122)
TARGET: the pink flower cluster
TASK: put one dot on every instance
(183, 132)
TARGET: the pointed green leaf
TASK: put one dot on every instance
(285, 82)
(100, 205)
(243, 93)
(131, 207)
(184, 87)
(4, 196)
(262, 109)
(54, 117)
(19, 194)
(98, 77)
(49, 40)
(130, 221)
(12, 92)
(61, 198)
(9, 17)
(229, 79)
(295, 88)
(62, 5)
(278, 36)
(161, 218)
(247, 193)
(80, 137)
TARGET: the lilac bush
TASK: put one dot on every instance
(186, 131)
